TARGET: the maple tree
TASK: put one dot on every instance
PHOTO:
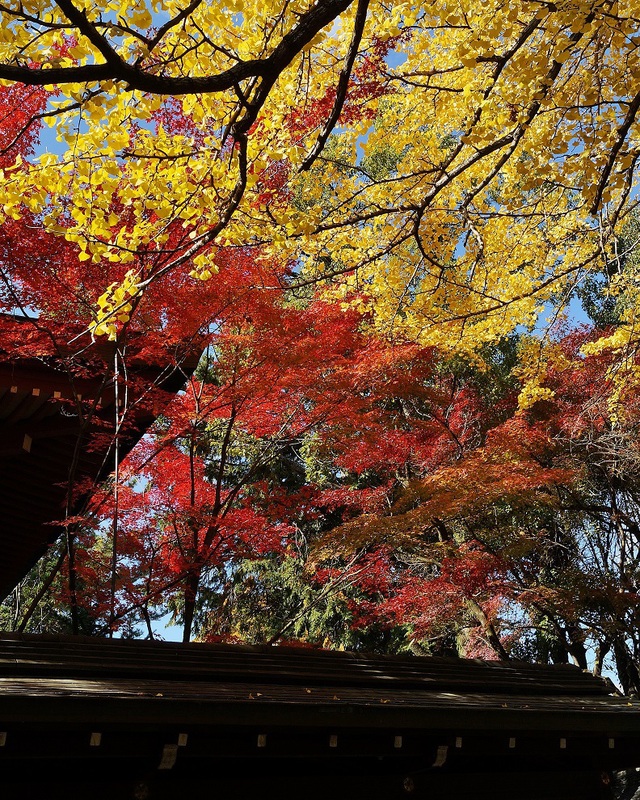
(411, 417)
(287, 388)
(274, 374)
(526, 544)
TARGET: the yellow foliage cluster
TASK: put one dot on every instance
(114, 306)
(486, 175)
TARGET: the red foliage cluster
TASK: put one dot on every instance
(20, 123)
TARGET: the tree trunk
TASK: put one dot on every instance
(190, 593)
(627, 670)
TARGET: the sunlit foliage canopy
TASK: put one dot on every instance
(456, 166)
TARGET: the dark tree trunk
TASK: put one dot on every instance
(627, 669)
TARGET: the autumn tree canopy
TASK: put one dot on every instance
(369, 217)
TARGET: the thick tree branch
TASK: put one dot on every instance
(623, 131)
(343, 85)
(86, 28)
(115, 68)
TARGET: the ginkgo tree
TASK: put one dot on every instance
(508, 133)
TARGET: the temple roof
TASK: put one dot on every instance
(227, 710)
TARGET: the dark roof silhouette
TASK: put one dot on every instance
(236, 720)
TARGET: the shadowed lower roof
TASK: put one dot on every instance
(214, 681)
(102, 718)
